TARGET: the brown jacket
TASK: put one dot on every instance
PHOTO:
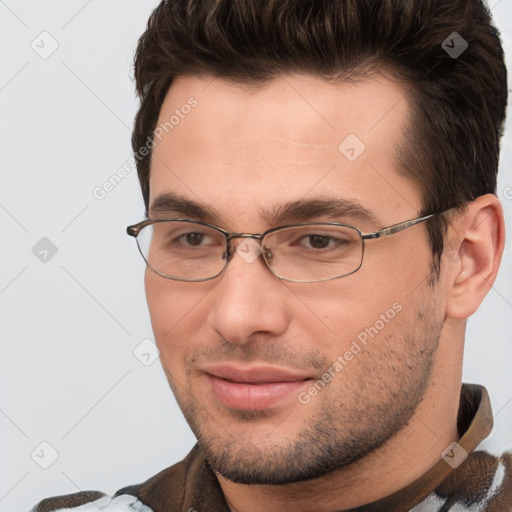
(482, 482)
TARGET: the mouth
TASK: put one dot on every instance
(255, 387)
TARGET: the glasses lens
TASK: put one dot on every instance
(183, 250)
(311, 253)
(316, 252)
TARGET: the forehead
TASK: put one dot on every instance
(236, 148)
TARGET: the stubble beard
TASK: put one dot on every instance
(354, 420)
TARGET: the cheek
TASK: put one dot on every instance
(397, 264)
(159, 301)
(171, 311)
(168, 301)
(362, 306)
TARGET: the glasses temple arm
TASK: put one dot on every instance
(396, 228)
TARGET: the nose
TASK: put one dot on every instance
(248, 298)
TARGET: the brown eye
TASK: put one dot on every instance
(194, 239)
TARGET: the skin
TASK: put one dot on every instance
(388, 415)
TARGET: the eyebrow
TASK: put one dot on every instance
(304, 210)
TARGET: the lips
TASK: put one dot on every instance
(254, 374)
(254, 387)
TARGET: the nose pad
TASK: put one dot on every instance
(231, 249)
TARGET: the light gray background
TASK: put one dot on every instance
(69, 326)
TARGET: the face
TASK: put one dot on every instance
(284, 381)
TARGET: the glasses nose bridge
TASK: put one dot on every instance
(230, 236)
(255, 236)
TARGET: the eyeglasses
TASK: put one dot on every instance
(187, 250)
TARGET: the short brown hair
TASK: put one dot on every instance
(451, 148)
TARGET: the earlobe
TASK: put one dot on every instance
(473, 255)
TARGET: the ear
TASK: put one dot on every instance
(473, 254)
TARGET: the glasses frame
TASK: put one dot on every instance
(135, 229)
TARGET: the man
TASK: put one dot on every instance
(319, 179)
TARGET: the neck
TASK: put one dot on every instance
(400, 461)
